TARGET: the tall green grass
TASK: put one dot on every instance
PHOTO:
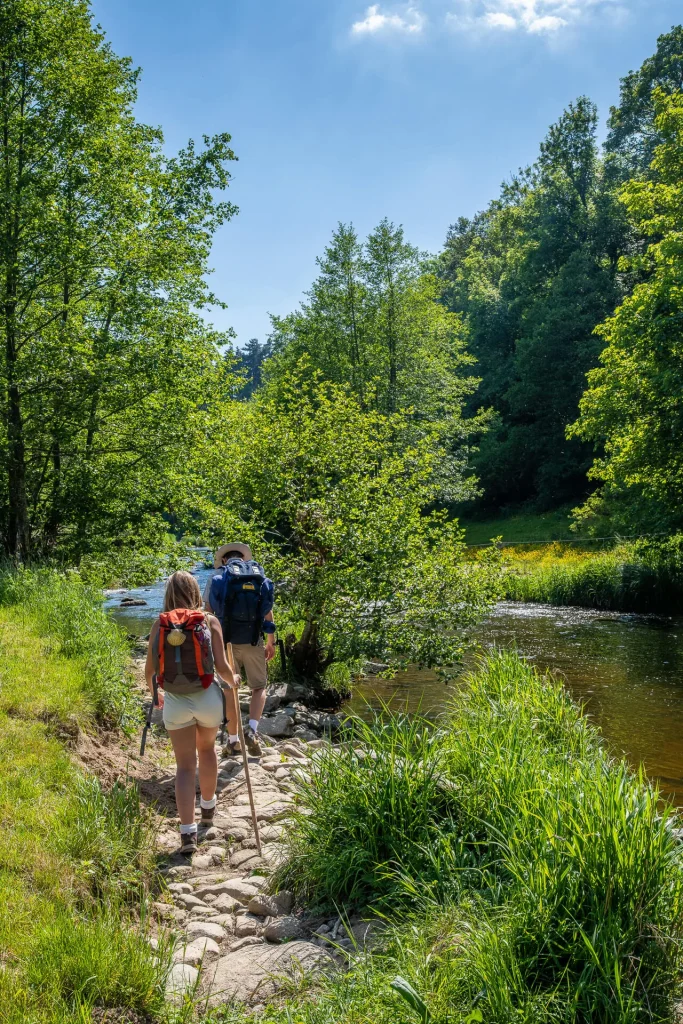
(67, 618)
(642, 577)
(75, 860)
(552, 873)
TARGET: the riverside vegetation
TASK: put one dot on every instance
(75, 860)
(517, 873)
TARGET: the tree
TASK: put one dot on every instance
(633, 135)
(633, 401)
(104, 244)
(534, 274)
(340, 503)
(374, 322)
(250, 360)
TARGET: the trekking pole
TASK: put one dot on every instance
(152, 706)
(240, 733)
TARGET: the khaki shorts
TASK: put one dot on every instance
(252, 661)
(203, 708)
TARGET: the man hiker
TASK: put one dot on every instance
(241, 597)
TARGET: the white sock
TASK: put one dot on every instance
(187, 830)
(233, 739)
(206, 805)
(253, 724)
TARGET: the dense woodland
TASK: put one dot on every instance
(533, 362)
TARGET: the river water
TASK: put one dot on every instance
(627, 670)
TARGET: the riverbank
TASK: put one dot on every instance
(643, 576)
(451, 854)
(75, 858)
(529, 877)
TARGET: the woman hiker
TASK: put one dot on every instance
(185, 655)
(242, 597)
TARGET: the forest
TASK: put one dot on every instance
(536, 353)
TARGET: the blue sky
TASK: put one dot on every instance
(344, 110)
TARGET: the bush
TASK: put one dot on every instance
(557, 867)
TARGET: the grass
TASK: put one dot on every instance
(64, 616)
(74, 859)
(534, 879)
(540, 528)
(637, 577)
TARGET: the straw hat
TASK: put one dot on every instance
(243, 549)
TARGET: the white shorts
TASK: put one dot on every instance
(203, 708)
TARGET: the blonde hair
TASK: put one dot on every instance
(182, 591)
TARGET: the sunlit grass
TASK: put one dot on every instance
(75, 860)
(531, 876)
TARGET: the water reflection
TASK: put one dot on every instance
(626, 669)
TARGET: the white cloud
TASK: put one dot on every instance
(499, 19)
(410, 22)
(533, 16)
(549, 23)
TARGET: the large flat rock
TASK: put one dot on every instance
(254, 974)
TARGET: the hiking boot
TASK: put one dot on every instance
(232, 749)
(253, 745)
(207, 816)
(188, 843)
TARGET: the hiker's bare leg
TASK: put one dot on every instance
(208, 762)
(185, 750)
(257, 704)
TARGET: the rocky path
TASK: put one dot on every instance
(233, 938)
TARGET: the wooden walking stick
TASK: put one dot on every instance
(240, 733)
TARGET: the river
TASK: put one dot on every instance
(627, 670)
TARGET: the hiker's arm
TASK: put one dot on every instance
(270, 638)
(220, 661)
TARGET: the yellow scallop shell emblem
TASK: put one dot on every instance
(176, 637)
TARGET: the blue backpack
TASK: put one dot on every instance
(241, 596)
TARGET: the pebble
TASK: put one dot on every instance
(283, 929)
(282, 773)
(202, 912)
(242, 891)
(225, 904)
(181, 978)
(248, 940)
(180, 887)
(189, 901)
(241, 858)
(195, 951)
(206, 928)
(212, 833)
(247, 925)
(179, 871)
(225, 921)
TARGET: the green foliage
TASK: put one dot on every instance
(104, 242)
(69, 619)
(345, 497)
(534, 273)
(71, 855)
(633, 135)
(631, 404)
(555, 893)
(646, 576)
(110, 837)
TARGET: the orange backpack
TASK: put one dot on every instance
(183, 655)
